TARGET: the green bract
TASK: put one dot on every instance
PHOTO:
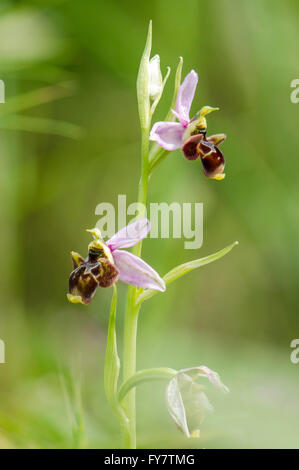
(187, 401)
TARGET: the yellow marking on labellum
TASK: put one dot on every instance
(75, 299)
(218, 177)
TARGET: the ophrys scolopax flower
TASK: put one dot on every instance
(190, 134)
(106, 263)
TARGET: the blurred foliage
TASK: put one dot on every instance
(238, 315)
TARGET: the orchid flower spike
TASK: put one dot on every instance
(190, 134)
(106, 263)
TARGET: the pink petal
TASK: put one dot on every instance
(133, 270)
(169, 135)
(130, 235)
(185, 97)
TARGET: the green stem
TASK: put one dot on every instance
(129, 367)
(131, 315)
(157, 156)
(112, 366)
(143, 183)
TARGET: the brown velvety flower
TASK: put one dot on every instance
(88, 274)
(206, 148)
(107, 262)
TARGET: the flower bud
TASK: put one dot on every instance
(155, 77)
(186, 398)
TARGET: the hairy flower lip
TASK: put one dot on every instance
(212, 159)
(190, 147)
(83, 283)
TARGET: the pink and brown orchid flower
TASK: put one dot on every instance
(190, 134)
(107, 263)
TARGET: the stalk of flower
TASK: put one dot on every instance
(107, 261)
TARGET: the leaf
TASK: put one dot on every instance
(185, 268)
(37, 97)
(71, 388)
(182, 269)
(145, 375)
(41, 125)
(143, 82)
(211, 375)
(175, 405)
(187, 401)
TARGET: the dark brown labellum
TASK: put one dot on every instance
(212, 159)
(206, 148)
(190, 147)
(109, 273)
(83, 282)
(90, 273)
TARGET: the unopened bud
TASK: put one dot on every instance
(155, 77)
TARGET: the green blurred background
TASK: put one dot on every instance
(70, 140)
